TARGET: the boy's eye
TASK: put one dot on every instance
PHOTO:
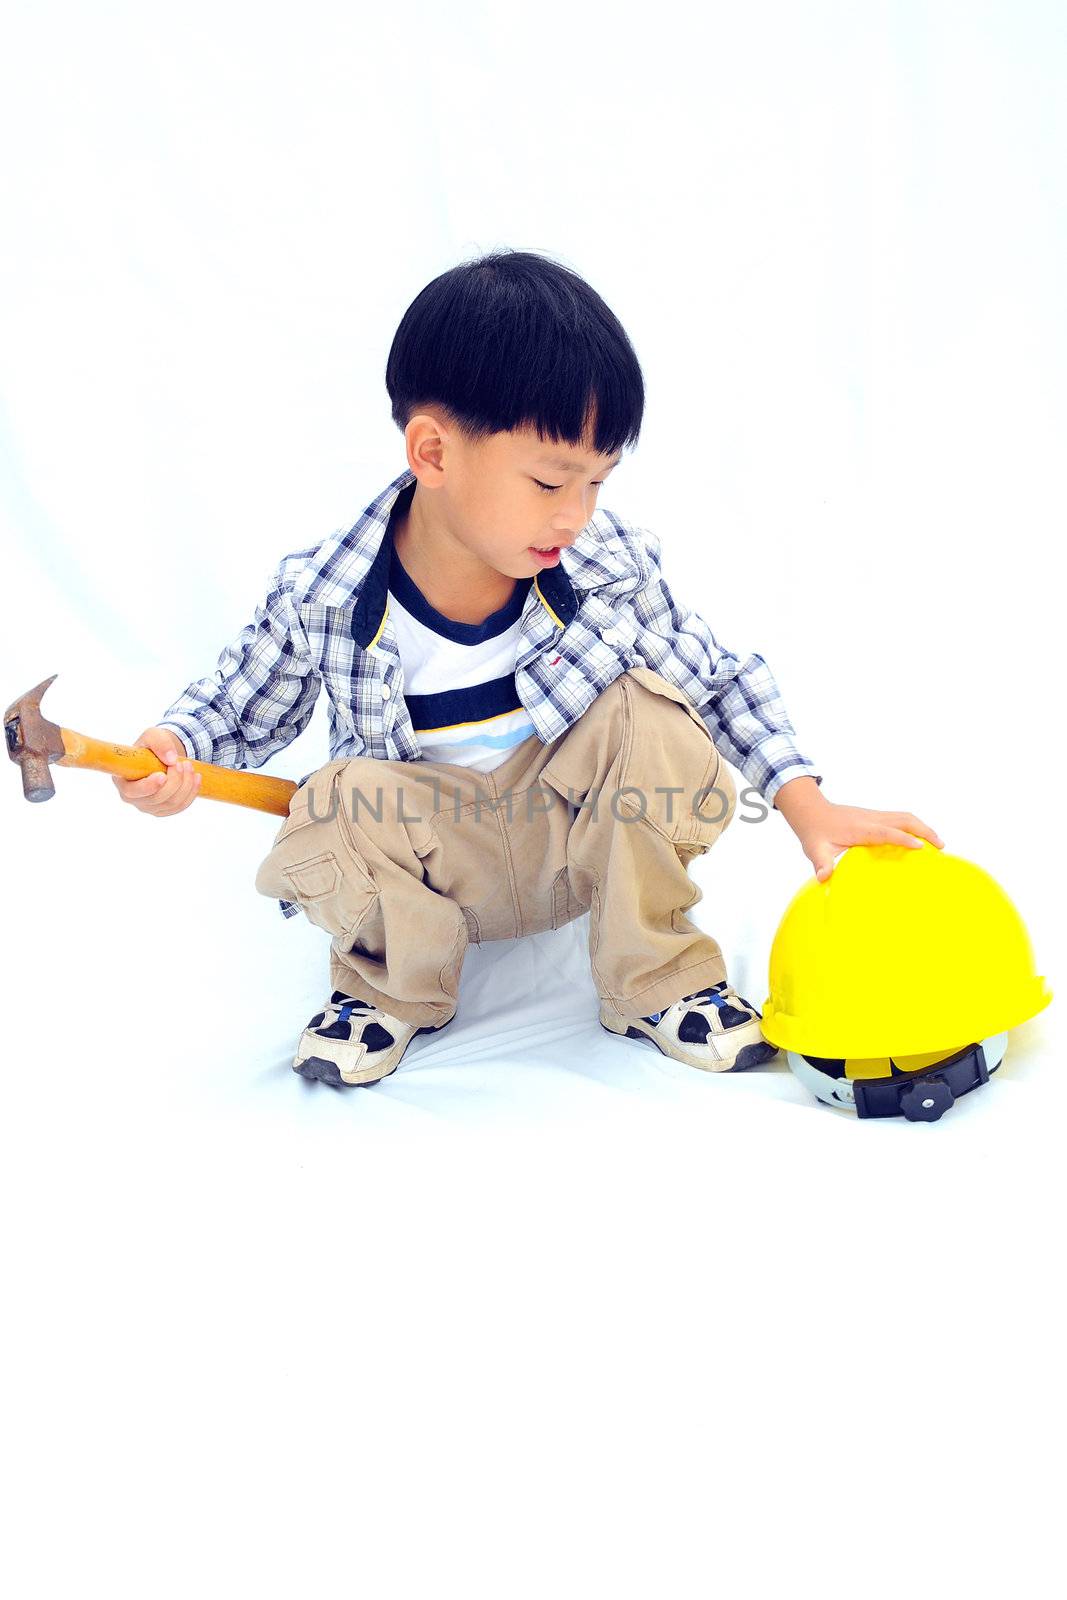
(551, 488)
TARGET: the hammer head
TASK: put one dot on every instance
(33, 742)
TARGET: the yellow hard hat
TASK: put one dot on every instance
(893, 984)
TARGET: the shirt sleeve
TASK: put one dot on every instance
(261, 694)
(737, 698)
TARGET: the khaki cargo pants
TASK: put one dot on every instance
(404, 863)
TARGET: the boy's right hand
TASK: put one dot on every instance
(162, 794)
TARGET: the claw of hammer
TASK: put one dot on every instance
(33, 742)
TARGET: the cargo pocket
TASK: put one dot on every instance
(565, 903)
(311, 862)
(672, 768)
(315, 878)
(712, 810)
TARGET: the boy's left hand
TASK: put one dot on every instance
(826, 829)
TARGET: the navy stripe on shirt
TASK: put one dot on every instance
(474, 704)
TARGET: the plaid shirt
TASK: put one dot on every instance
(604, 607)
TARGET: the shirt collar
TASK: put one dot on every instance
(356, 564)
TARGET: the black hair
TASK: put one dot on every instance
(513, 339)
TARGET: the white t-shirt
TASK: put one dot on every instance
(459, 677)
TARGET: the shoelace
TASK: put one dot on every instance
(729, 1015)
(343, 1005)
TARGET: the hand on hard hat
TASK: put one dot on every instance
(825, 829)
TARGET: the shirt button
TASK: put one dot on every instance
(386, 691)
(610, 635)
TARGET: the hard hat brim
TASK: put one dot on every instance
(909, 1037)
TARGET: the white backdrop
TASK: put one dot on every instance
(544, 1312)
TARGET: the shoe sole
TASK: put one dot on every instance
(750, 1055)
(320, 1071)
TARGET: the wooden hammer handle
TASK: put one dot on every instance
(262, 793)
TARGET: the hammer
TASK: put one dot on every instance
(35, 743)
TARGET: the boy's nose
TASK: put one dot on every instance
(575, 524)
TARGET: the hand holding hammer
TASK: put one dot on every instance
(162, 794)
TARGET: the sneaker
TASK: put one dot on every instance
(713, 1028)
(354, 1042)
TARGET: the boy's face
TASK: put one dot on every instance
(485, 504)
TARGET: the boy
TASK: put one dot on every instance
(525, 723)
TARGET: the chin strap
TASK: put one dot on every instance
(920, 1096)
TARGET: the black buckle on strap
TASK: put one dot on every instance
(922, 1096)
